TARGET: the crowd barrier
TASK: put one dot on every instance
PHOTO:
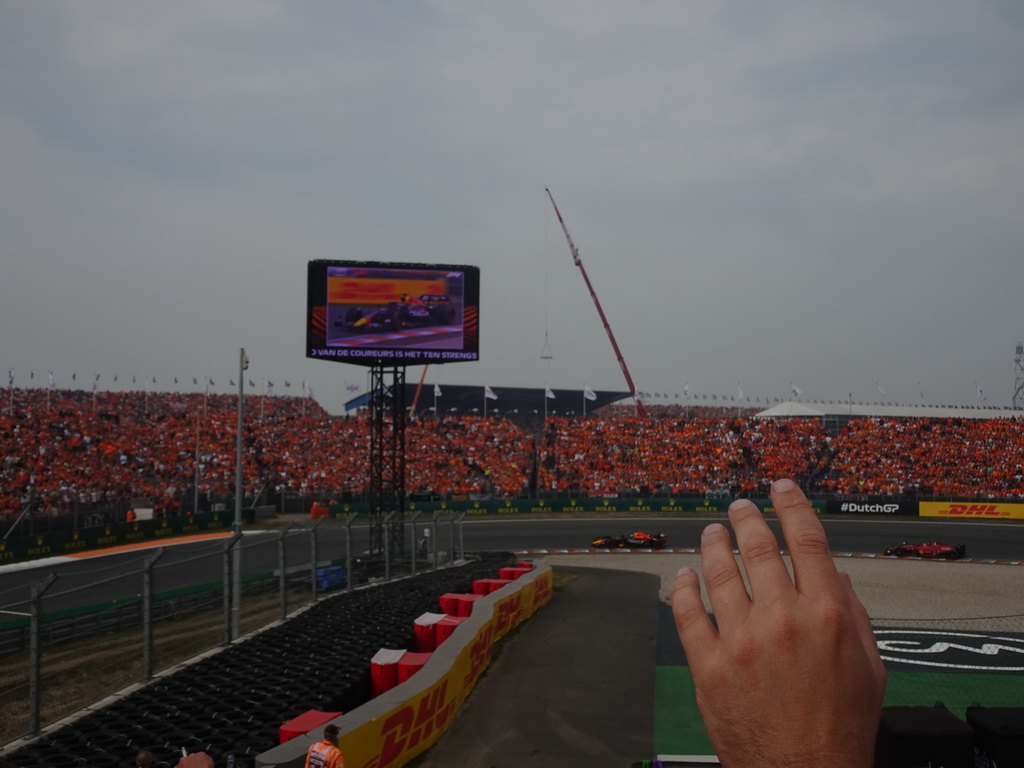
(405, 720)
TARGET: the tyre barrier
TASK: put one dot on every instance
(403, 721)
(233, 701)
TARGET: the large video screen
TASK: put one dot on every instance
(416, 314)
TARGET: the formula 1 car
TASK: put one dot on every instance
(428, 309)
(635, 540)
(933, 550)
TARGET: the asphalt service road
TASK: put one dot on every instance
(574, 686)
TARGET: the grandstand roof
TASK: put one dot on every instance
(821, 409)
(521, 400)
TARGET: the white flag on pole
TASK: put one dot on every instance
(548, 393)
(739, 389)
(795, 389)
(686, 391)
(437, 390)
(881, 392)
(589, 393)
(489, 393)
(50, 382)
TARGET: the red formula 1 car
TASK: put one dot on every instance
(634, 540)
(933, 550)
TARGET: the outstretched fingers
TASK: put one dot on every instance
(813, 567)
(693, 624)
(759, 549)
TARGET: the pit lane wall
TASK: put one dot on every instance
(403, 722)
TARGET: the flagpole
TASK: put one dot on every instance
(545, 403)
(584, 401)
(485, 401)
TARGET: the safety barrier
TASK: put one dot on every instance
(404, 721)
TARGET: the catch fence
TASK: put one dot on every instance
(74, 632)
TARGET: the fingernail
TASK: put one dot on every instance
(783, 485)
(713, 528)
(740, 503)
(684, 571)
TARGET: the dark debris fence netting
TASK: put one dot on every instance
(234, 701)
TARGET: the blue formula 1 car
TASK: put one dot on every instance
(407, 312)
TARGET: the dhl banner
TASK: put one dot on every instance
(973, 511)
(363, 290)
(397, 736)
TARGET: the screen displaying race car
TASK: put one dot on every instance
(407, 312)
(368, 313)
(634, 540)
(932, 550)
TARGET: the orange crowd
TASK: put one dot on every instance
(84, 452)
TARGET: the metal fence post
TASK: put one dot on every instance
(228, 546)
(348, 551)
(412, 537)
(282, 581)
(462, 544)
(35, 692)
(434, 543)
(312, 560)
(387, 548)
(147, 613)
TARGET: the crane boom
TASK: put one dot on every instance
(640, 410)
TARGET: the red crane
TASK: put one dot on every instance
(640, 410)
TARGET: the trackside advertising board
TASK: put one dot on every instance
(882, 507)
(408, 729)
(972, 510)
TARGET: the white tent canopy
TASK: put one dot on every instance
(819, 410)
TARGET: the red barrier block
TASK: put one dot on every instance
(512, 573)
(384, 670)
(450, 603)
(410, 664)
(304, 723)
(486, 586)
(425, 631)
(465, 604)
(526, 564)
(446, 626)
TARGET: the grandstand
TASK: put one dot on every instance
(87, 456)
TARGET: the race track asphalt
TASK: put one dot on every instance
(573, 687)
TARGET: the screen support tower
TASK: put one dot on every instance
(1018, 382)
(387, 458)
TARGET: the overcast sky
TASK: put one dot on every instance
(828, 194)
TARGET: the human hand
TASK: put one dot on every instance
(792, 677)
